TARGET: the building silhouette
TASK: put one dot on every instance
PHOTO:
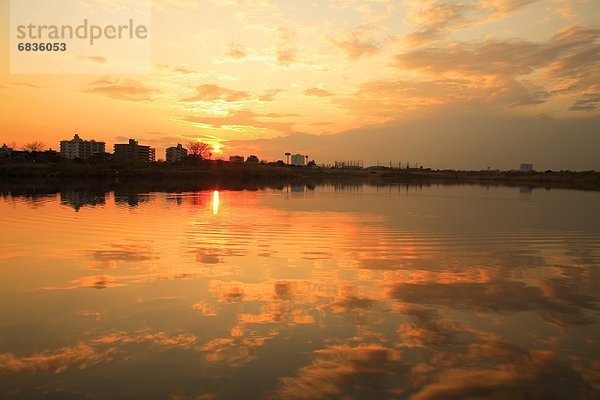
(175, 154)
(236, 159)
(526, 168)
(298, 159)
(79, 148)
(133, 151)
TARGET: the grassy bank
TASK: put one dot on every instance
(213, 172)
(586, 180)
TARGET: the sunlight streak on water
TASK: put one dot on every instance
(215, 202)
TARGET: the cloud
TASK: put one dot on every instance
(493, 72)
(269, 95)
(210, 92)
(285, 57)
(570, 49)
(236, 51)
(176, 69)
(587, 102)
(357, 44)
(269, 121)
(315, 91)
(490, 57)
(122, 89)
(94, 59)
(432, 19)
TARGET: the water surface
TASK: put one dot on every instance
(353, 292)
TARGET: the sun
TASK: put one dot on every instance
(216, 149)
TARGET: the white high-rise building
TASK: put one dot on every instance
(79, 148)
(298, 159)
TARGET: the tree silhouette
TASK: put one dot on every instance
(34, 146)
(198, 150)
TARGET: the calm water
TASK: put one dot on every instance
(355, 292)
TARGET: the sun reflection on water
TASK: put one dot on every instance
(215, 203)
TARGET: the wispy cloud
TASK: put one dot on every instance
(357, 44)
(210, 92)
(318, 92)
(247, 118)
(122, 89)
(93, 59)
(236, 51)
(587, 102)
(269, 95)
(286, 57)
(433, 20)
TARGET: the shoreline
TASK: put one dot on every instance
(215, 172)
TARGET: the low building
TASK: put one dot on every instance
(175, 154)
(236, 159)
(79, 148)
(526, 168)
(298, 159)
(351, 164)
(252, 160)
(133, 151)
(5, 151)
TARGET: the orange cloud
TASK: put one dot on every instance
(285, 57)
(315, 91)
(247, 118)
(434, 19)
(94, 59)
(236, 51)
(122, 89)
(357, 44)
(270, 95)
(216, 92)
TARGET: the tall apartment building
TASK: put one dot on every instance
(174, 154)
(79, 148)
(298, 159)
(133, 151)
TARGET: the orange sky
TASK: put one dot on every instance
(462, 84)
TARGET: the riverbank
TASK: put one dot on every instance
(207, 173)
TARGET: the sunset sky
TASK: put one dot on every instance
(446, 84)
